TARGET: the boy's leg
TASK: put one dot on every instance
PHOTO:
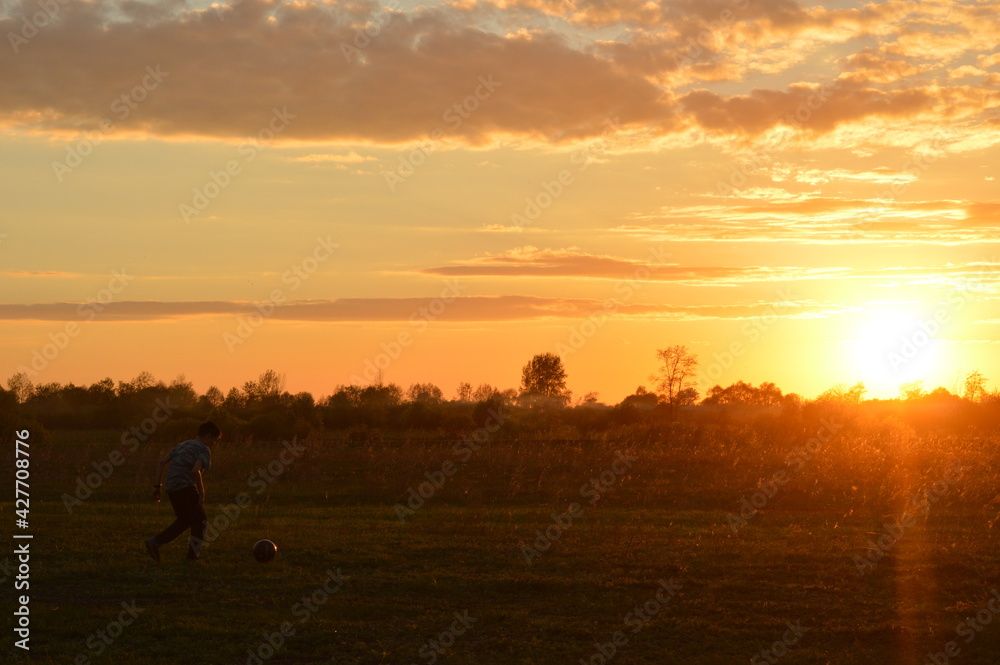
(198, 525)
(185, 504)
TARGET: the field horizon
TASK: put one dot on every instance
(857, 540)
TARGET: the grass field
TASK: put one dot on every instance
(451, 583)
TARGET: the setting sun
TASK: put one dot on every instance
(894, 347)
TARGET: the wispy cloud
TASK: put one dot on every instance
(461, 309)
(350, 158)
(823, 220)
(533, 262)
(42, 273)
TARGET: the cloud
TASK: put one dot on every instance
(533, 262)
(823, 220)
(228, 67)
(350, 158)
(872, 66)
(41, 273)
(984, 213)
(812, 176)
(991, 60)
(460, 309)
(424, 70)
(813, 108)
(509, 228)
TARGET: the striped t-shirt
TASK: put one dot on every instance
(182, 459)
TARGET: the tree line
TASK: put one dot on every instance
(262, 407)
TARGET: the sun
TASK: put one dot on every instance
(896, 346)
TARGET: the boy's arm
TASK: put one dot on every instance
(199, 481)
(161, 468)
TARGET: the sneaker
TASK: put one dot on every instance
(154, 549)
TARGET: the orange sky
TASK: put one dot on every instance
(799, 193)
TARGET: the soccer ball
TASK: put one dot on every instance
(264, 550)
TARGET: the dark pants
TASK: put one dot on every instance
(190, 515)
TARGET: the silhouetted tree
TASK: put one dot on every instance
(545, 377)
(267, 388)
(975, 387)
(941, 395)
(842, 395)
(234, 400)
(141, 382)
(21, 387)
(741, 392)
(214, 397)
(182, 392)
(687, 396)
(484, 392)
(424, 392)
(676, 372)
(464, 393)
(911, 391)
(641, 399)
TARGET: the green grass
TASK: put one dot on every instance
(461, 552)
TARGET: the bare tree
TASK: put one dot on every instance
(676, 373)
(21, 386)
(975, 387)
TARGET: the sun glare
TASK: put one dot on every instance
(896, 347)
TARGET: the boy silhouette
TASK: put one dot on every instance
(185, 489)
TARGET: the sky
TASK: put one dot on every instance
(798, 193)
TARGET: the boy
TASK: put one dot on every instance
(186, 490)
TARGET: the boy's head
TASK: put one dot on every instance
(209, 433)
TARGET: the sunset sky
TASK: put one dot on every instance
(800, 193)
